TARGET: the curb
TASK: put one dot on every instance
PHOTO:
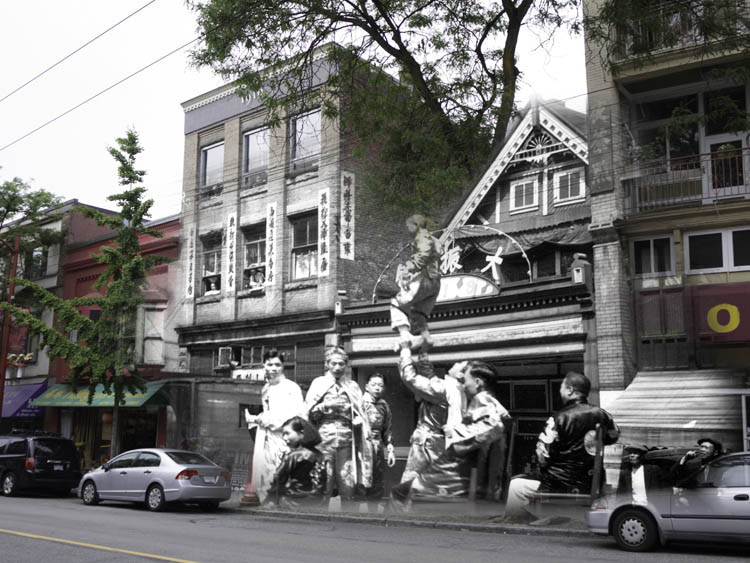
(416, 523)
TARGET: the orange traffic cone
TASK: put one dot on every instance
(249, 494)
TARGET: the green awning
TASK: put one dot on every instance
(61, 395)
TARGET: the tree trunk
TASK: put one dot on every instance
(114, 444)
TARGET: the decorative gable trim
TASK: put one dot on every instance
(557, 128)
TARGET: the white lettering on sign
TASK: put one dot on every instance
(465, 286)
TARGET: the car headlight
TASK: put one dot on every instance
(599, 504)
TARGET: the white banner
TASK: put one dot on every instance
(324, 219)
(190, 266)
(271, 243)
(231, 269)
(346, 250)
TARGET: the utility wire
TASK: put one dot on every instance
(66, 57)
(87, 100)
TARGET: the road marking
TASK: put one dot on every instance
(95, 546)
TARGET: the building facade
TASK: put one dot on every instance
(671, 228)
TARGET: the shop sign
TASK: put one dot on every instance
(723, 311)
(250, 374)
(465, 286)
(324, 256)
(346, 250)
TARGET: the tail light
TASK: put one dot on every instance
(226, 475)
(186, 474)
(30, 464)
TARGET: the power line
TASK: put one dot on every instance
(66, 57)
(87, 100)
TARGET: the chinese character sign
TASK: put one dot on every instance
(190, 269)
(270, 243)
(324, 254)
(346, 251)
(231, 254)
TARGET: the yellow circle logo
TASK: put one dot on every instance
(713, 318)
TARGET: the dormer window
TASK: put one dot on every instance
(523, 194)
(569, 186)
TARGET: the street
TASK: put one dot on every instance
(38, 528)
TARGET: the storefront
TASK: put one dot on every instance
(532, 334)
(143, 418)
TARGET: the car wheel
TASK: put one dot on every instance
(89, 495)
(635, 530)
(155, 498)
(209, 506)
(10, 484)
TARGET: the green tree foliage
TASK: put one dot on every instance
(23, 213)
(105, 351)
(455, 64)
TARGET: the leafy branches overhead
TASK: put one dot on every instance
(454, 61)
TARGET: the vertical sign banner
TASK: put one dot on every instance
(324, 255)
(346, 250)
(270, 243)
(231, 252)
(190, 267)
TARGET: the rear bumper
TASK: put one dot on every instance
(48, 480)
(187, 492)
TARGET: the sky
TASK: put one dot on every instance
(69, 156)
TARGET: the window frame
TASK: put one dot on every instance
(215, 249)
(259, 232)
(727, 251)
(299, 249)
(298, 165)
(556, 199)
(534, 205)
(257, 175)
(32, 273)
(203, 170)
(652, 273)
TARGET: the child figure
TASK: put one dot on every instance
(301, 477)
(419, 284)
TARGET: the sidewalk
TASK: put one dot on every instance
(478, 516)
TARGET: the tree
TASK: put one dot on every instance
(455, 62)
(105, 351)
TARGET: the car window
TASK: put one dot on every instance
(50, 448)
(125, 460)
(16, 447)
(3, 441)
(734, 472)
(189, 458)
(147, 459)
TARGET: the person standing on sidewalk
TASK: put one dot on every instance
(335, 407)
(565, 464)
(380, 438)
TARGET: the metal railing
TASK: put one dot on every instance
(691, 180)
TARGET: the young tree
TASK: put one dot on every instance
(105, 352)
(455, 62)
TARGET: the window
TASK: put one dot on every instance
(147, 459)
(255, 158)
(253, 356)
(569, 186)
(725, 111)
(254, 273)
(305, 246)
(304, 143)
(667, 130)
(732, 472)
(125, 460)
(17, 447)
(151, 349)
(523, 194)
(211, 259)
(718, 251)
(212, 166)
(36, 264)
(552, 263)
(652, 256)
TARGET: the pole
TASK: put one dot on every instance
(6, 324)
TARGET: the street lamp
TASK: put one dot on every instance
(6, 322)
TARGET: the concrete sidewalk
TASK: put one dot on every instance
(477, 516)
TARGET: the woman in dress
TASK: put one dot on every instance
(282, 400)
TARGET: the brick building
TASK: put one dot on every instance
(669, 206)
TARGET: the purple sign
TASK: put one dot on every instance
(16, 400)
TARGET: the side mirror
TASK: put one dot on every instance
(104, 466)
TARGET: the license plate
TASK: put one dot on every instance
(57, 467)
(210, 479)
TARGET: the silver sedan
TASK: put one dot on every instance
(157, 476)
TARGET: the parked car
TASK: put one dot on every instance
(714, 507)
(38, 460)
(157, 476)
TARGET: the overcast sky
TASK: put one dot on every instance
(69, 157)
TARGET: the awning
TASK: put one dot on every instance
(61, 395)
(16, 400)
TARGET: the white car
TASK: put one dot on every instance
(716, 507)
(157, 476)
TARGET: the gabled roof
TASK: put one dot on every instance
(559, 121)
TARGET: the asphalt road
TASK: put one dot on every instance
(38, 529)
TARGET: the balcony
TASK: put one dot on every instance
(674, 25)
(688, 181)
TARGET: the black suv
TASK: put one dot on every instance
(38, 460)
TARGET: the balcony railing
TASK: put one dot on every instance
(692, 180)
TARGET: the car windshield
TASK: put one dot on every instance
(47, 448)
(189, 458)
